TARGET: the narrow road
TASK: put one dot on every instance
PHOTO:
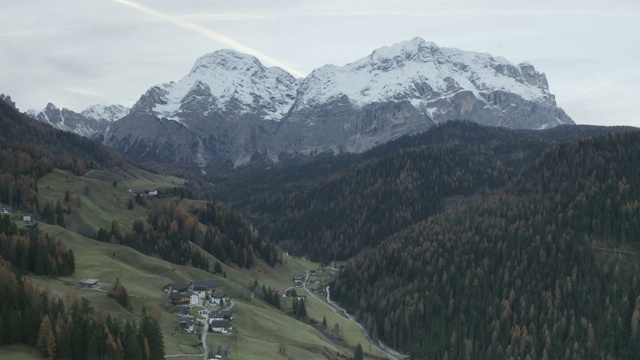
(342, 312)
(614, 250)
(204, 340)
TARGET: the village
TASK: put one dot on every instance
(201, 307)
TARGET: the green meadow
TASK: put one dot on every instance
(260, 331)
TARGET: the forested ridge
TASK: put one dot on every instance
(515, 273)
(30, 150)
(473, 242)
(171, 233)
(364, 198)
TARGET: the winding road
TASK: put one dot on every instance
(342, 312)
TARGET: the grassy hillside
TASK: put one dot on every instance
(261, 329)
(95, 202)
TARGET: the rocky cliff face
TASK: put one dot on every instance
(230, 108)
(92, 121)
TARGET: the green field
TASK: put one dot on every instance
(259, 330)
(95, 202)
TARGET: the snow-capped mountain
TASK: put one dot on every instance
(224, 81)
(90, 122)
(231, 108)
(105, 113)
(424, 74)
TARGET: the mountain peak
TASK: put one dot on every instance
(226, 59)
(108, 113)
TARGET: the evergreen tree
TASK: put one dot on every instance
(358, 354)
(59, 215)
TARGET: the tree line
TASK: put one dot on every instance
(32, 251)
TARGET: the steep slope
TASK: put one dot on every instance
(333, 208)
(519, 273)
(31, 149)
(90, 122)
(235, 109)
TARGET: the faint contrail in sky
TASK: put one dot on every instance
(210, 34)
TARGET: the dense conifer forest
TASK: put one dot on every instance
(478, 243)
(362, 199)
(519, 272)
(171, 232)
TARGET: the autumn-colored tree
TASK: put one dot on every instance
(46, 342)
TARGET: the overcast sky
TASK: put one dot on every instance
(76, 53)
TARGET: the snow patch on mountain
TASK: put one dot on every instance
(108, 113)
(228, 81)
(420, 72)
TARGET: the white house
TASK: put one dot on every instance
(201, 291)
(26, 217)
(221, 326)
(194, 298)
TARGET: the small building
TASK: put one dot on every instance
(182, 309)
(203, 312)
(193, 298)
(298, 278)
(187, 324)
(180, 299)
(89, 282)
(218, 297)
(153, 193)
(26, 217)
(208, 285)
(220, 315)
(302, 297)
(282, 292)
(220, 326)
(224, 350)
(178, 287)
(5, 209)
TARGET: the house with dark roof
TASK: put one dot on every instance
(210, 285)
(224, 350)
(220, 326)
(187, 324)
(179, 287)
(182, 309)
(218, 297)
(180, 299)
(220, 315)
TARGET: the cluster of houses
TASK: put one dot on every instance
(298, 280)
(205, 294)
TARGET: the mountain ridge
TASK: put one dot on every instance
(235, 110)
